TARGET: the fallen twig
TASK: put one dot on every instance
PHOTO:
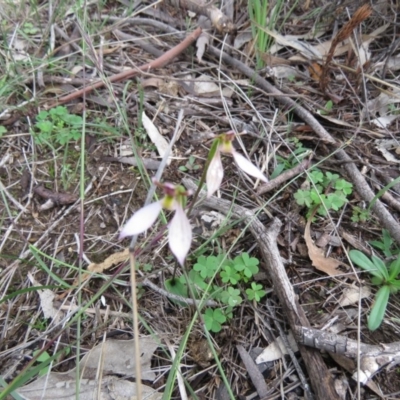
(285, 176)
(372, 357)
(55, 197)
(169, 295)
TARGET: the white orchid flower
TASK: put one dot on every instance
(215, 171)
(179, 232)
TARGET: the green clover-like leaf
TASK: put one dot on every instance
(246, 264)
(231, 296)
(330, 178)
(45, 126)
(316, 176)
(344, 186)
(177, 287)
(59, 111)
(229, 275)
(256, 292)
(303, 198)
(336, 200)
(214, 319)
(207, 266)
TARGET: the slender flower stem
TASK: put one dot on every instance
(138, 370)
(211, 155)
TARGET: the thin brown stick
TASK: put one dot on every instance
(157, 63)
(285, 176)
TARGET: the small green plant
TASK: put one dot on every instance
(386, 244)
(382, 276)
(327, 192)
(256, 292)
(57, 126)
(214, 319)
(360, 214)
(327, 109)
(29, 28)
(222, 280)
(41, 359)
(41, 324)
(393, 110)
(290, 161)
(190, 165)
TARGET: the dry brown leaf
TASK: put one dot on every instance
(111, 260)
(325, 264)
(46, 301)
(277, 349)
(352, 295)
(155, 136)
(202, 42)
(315, 71)
(271, 60)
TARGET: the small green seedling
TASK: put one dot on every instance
(381, 276)
(190, 165)
(41, 359)
(327, 192)
(291, 160)
(57, 126)
(327, 109)
(360, 214)
(29, 28)
(220, 279)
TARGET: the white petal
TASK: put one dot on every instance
(215, 174)
(180, 235)
(141, 220)
(245, 165)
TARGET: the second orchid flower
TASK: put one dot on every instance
(215, 171)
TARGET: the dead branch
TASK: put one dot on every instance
(285, 176)
(254, 373)
(372, 357)
(56, 197)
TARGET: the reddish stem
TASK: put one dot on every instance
(157, 63)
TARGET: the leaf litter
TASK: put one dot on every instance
(361, 77)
